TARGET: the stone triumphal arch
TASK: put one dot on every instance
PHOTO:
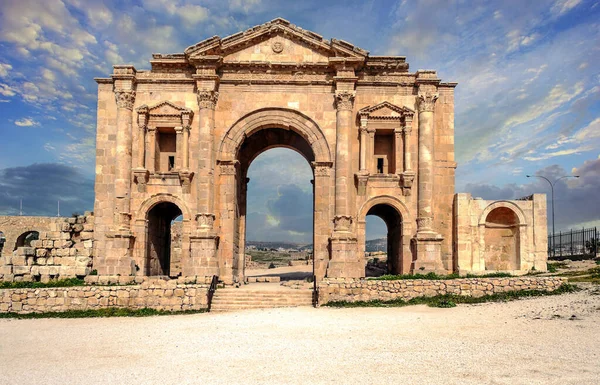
(177, 140)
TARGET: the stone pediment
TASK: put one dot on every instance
(165, 108)
(385, 111)
(164, 113)
(275, 41)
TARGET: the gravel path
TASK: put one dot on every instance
(533, 341)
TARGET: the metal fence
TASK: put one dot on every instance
(578, 244)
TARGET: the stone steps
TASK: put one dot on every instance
(238, 299)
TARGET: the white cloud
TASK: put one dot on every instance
(7, 90)
(563, 6)
(4, 68)
(26, 122)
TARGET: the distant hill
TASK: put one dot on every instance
(379, 244)
(276, 245)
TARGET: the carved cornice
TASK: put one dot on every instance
(426, 101)
(207, 99)
(125, 99)
(344, 100)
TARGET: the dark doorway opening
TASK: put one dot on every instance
(160, 220)
(390, 262)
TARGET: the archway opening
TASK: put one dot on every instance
(2, 241)
(383, 241)
(502, 240)
(25, 239)
(160, 256)
(276, 204)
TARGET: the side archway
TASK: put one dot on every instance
(162, 245)
(399, 224)
(502, 235)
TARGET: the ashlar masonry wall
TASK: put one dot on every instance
(64, 249)
(155, 294)
(353, 290)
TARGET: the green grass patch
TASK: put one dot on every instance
(450, 300)
(433, 276)
(100, 313)
(554, 266)
(67, 282)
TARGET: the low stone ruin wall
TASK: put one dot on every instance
(64, 251)
(156, 294)
(352, 290)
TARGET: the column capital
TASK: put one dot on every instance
(125, 99)
(322, 168)
(207, 99)
(426, 101)
(342, 223)
(344, 100)
(228, 167)
(205, 220)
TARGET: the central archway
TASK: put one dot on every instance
(250, 136)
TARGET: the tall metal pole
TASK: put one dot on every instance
(552, 199)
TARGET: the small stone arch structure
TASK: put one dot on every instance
(143, 226)
(276, 127)
(24, 240)
(403, 264)
(502, 237)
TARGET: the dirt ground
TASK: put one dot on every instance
(547, 340)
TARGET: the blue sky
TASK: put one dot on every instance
(528, 99)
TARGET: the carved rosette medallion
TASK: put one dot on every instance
(344, 100)
(208, 99)
(205, 220)
(427, 101)
(125, 99)
(277, 47)
(342, 223)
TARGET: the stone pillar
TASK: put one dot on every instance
(398, 148)
(140, 172)
(363, 173)
(426, 163)
(179, 147)
(203, 259)
(345, 261)
(125, 100)
(186, 147)
(363, 149)
(151, 153)
(321, 217)
(228, 171)
(371, 151)
(408, 175)
(117, 258)
(427, 242)
(207, 101)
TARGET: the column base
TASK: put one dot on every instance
(118, 259)
(345, 261)
(202, 260)
(427, 246)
